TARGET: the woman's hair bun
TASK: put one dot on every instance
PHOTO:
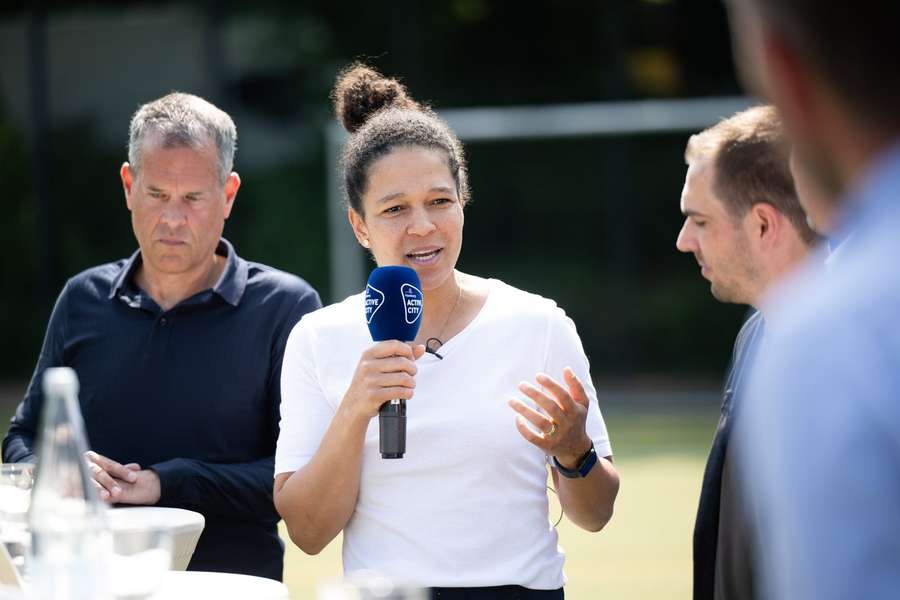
(361, 91)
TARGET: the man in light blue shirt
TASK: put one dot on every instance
(820, 442)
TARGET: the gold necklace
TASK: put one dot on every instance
(432, 344)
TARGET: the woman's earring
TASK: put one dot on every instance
(365, 243)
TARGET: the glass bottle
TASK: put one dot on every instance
(70, 539)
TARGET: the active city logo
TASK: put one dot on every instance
(412, 302)
(374, 300)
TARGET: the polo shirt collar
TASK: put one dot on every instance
(126, 274)
(233, 281)
(231, 284)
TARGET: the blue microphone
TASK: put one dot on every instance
(393, 312)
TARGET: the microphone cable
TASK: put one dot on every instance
(432, 345)
(561, 511)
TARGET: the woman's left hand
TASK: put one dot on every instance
(561, 425)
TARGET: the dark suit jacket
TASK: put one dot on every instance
(706, 528)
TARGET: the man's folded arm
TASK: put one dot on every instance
(232, 490)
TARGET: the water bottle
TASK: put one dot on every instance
(71, 544)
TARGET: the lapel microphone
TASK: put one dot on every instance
(393, 312)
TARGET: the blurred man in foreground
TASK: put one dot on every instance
(818, 203)
(825, 389)
(745, 226)
(178, 348)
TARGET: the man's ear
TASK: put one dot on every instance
(358, 223)
(232, 184)
(127, 182)
(766, 223)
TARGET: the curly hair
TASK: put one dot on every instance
(380, 116)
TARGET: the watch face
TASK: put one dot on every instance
(583, 467)
(588, 462)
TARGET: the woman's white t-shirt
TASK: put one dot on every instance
(467, 505)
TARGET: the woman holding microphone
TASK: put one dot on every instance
(505, 391)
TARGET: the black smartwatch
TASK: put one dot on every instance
(584, 466)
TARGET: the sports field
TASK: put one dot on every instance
(660, 442)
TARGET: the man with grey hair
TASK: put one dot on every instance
(179, 347)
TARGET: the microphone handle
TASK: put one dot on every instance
(392, 429)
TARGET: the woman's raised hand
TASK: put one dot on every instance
(386, 371)
(561, 425)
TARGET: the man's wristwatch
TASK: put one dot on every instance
(584, 466)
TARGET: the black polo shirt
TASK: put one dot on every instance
(192, 393)
(723, 551)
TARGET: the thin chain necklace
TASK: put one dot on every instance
(432, 344)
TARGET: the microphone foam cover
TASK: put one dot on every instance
(393, 304)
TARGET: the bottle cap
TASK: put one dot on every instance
(60, 381)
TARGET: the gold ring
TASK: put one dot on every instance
(552, 429)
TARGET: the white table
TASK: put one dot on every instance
(185, 525)
(190, 585)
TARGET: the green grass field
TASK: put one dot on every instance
(645, 551)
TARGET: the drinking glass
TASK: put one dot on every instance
(16, 480)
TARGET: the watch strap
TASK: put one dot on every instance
(584, 466)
